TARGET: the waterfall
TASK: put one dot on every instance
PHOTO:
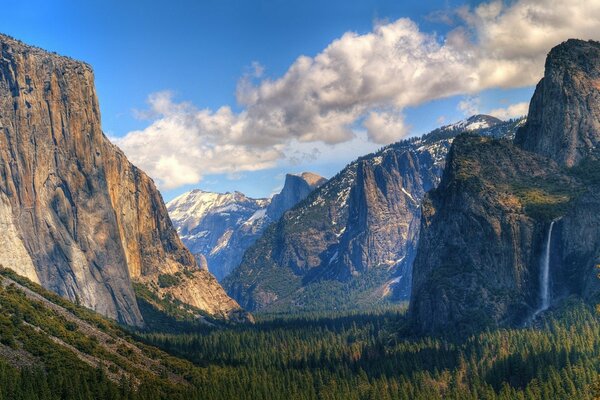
(545, 275)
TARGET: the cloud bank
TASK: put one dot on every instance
(357, 81)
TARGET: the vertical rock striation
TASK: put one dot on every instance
(79, 218)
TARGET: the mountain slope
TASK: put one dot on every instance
(77, 350)
(78, 217)
(220, 227)
(50, 349)
(510, 232)
(351, 243)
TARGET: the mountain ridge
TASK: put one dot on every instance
(353, 237)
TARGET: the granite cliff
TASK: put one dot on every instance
(504, 212)
(78, 218)
(295, 189)
(564, 117)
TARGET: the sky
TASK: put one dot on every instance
(230, 95)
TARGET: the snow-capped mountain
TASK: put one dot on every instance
(218, 227)
(474, 123)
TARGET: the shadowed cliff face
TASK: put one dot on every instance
(564, 117)
(482, 233)
(484, 230)
(295, 189)
(78, 217)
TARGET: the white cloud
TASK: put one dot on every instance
(512, 111)
(184, 143)
(321, 99)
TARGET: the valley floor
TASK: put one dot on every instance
(362, 356)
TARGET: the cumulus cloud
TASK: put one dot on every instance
(512, 111)
(385, 127)
(356, 79)
(185, 143)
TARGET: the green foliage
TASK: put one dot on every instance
(168, 280)
(362, 292)
(499, 170)
(545, 199)
(54, 371)
(158, 310)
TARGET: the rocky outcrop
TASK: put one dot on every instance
(564, 117)
(80, 219)
(220, 227)
(352, 242)
(384, 211)
(576, 249)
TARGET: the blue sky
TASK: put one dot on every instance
(196, 53)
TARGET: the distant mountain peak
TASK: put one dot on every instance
(295, 188)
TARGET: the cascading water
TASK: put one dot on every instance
(545, 274)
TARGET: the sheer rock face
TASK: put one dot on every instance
(576, 254)
(79, 218)
(384, 211)
(564, 114)
(295, 189)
